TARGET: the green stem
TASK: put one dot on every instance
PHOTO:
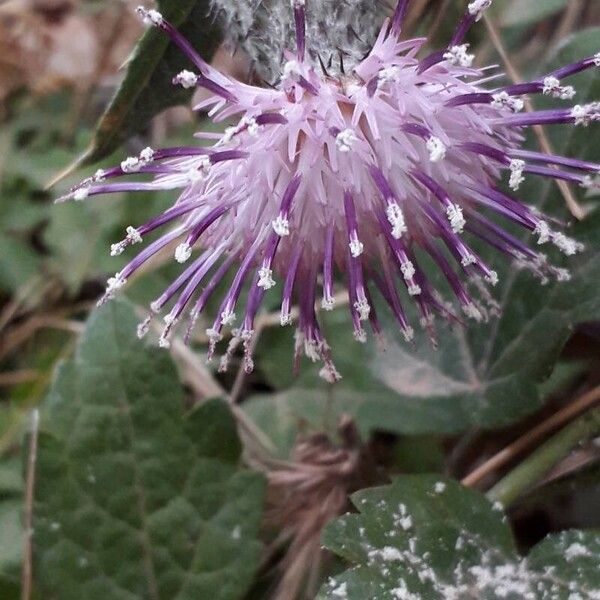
(508, 489)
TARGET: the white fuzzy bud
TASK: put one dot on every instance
(356, 247)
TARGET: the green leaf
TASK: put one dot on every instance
(11, 536)
(147, 88)
(18, 263)
(134, 499)
(528, 12)
(422, 537)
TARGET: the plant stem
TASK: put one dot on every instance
(508, 489)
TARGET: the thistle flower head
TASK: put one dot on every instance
(353, 176)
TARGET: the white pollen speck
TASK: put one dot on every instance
(408, 333)
(565, 244)
(265, 278)
(341, 591)
(436, 149)
(345, 140)
(414, 290)
(457, 55)
(439, 487)
(328, 304)
(54, 526)
(576, 550)
(597, 59)
(183, 252)
(236, 534)
(186, 79)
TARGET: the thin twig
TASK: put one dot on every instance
(27, 573)
(528, 473)
(527, 441)
(574, 207)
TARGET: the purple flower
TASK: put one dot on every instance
(349, 175)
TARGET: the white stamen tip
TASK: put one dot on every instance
(356, 248)
(565, 244)
(585, 114)
(143, 328)
(252, 127)
(516, 173)
(360, 335)
(457, 55)
(363, 309)
(436, 149)
(150, 17)
(414, 290)
(133, 235)
(330, 374)
(472, 312)
(265, 278)
(505, 100)
(147, 155)
(186, 79)
(396, 218)
(409, 334)
(455, 216)
(408, 270)
(345, 140)
(183, 252)
(81, 193)
(477, 7)
(542, 230)
(328, 304)
(468, 260)
(281, 226)
(553, 88)
(492, 278)
(597, 59)
(131, 164)
(227, 318)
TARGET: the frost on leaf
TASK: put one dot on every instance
(425, 538)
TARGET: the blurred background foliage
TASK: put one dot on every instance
(414, 409)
